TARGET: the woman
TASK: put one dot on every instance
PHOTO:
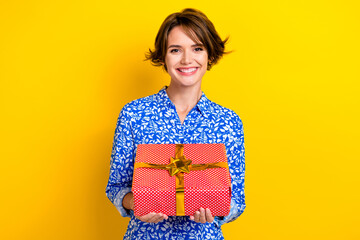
(187, 45)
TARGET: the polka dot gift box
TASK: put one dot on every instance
(178, 179)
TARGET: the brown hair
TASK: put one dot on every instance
(198, 27)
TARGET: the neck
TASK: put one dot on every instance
(184, 98)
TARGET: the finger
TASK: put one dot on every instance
(209, 216)
(192, 218)
(202, 215)
(147, 217)
(152, 217)
(157, 218)
(197, 216)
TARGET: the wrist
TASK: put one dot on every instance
(128, 201)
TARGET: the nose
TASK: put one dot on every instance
(186, 57)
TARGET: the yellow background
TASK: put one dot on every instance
(68, 67)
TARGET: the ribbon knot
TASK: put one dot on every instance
(178, 165)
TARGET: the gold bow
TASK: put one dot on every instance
(178, 166)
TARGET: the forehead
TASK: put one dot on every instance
(182, 36)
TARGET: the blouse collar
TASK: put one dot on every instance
(203, 104)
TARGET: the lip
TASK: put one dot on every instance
(187, 73)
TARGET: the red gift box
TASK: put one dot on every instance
(178, 179)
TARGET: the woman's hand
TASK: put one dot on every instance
(202, 216)
(152, 217)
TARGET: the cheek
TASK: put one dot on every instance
(169, 61)
(203, 59)
(173, 61)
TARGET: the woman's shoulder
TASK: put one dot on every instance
(223, 112)
(140, 103)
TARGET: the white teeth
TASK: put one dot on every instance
(187, 70)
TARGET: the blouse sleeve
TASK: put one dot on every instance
(121, 164)
(236, 160)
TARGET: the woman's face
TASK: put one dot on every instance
(186, 61)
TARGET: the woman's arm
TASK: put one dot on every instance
(236, 160)
(121, 165)
(118, 189)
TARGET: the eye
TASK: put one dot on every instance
(174, 50)
(198, 49)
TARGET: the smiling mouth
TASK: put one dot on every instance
(187, 70)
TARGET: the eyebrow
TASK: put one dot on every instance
(194, 45)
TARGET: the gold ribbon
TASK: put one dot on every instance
(178, 166)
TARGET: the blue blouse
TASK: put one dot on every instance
(153, 120)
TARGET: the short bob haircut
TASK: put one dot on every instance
(198, 27)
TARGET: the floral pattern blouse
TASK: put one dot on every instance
(153, 120)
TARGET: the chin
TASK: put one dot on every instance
(186, 81)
